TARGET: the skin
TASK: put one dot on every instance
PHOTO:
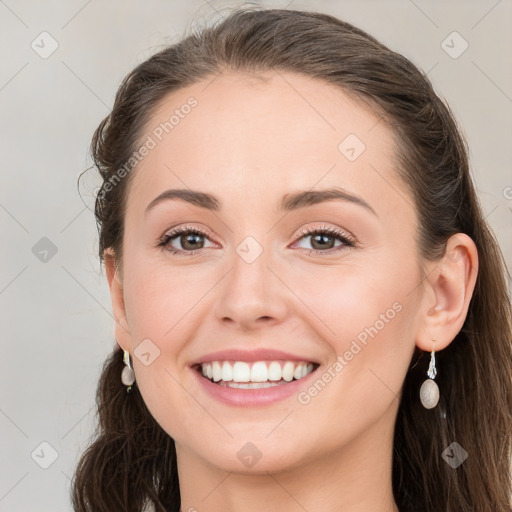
(249, 142)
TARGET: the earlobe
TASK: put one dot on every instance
(121, 328)
(451, 283)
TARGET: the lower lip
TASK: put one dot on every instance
(251, 397)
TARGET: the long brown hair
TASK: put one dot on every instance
(132, 461)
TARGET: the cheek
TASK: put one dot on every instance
(167, 399)
(347, 300)
(159, 297)
(362, 382)
(367, 315)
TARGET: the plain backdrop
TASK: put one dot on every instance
(61, 64)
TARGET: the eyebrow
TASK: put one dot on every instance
(289, 202)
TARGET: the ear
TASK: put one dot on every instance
(121, 327)
(449, 288)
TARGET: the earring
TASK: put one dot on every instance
(127, 375)
(429, 391)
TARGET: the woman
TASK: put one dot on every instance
(311, 312)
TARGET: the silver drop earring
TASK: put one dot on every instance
(127, 375)
(429, 391)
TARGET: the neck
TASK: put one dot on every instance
(354, 478)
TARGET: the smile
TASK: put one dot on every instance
(255, 375)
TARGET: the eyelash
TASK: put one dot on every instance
(333, 232)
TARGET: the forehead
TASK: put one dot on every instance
(261, 133)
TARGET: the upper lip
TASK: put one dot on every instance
(261, 354)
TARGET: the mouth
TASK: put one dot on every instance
(254, 375)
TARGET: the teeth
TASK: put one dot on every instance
(216, 371)
(248, 385)
(260, 374)
(274, 371)
(227, 372)
(288, 369)
(241, 372)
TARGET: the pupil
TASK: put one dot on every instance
(190, 239)
(322, 237)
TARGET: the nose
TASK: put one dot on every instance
(252, 296)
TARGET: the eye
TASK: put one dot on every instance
(191, 240)
(323, 240)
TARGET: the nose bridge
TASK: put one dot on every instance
(251, 291)
(250, 275)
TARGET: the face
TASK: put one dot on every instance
(303, 302)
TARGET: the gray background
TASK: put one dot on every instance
(57, 326)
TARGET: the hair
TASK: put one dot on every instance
(132, 461)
